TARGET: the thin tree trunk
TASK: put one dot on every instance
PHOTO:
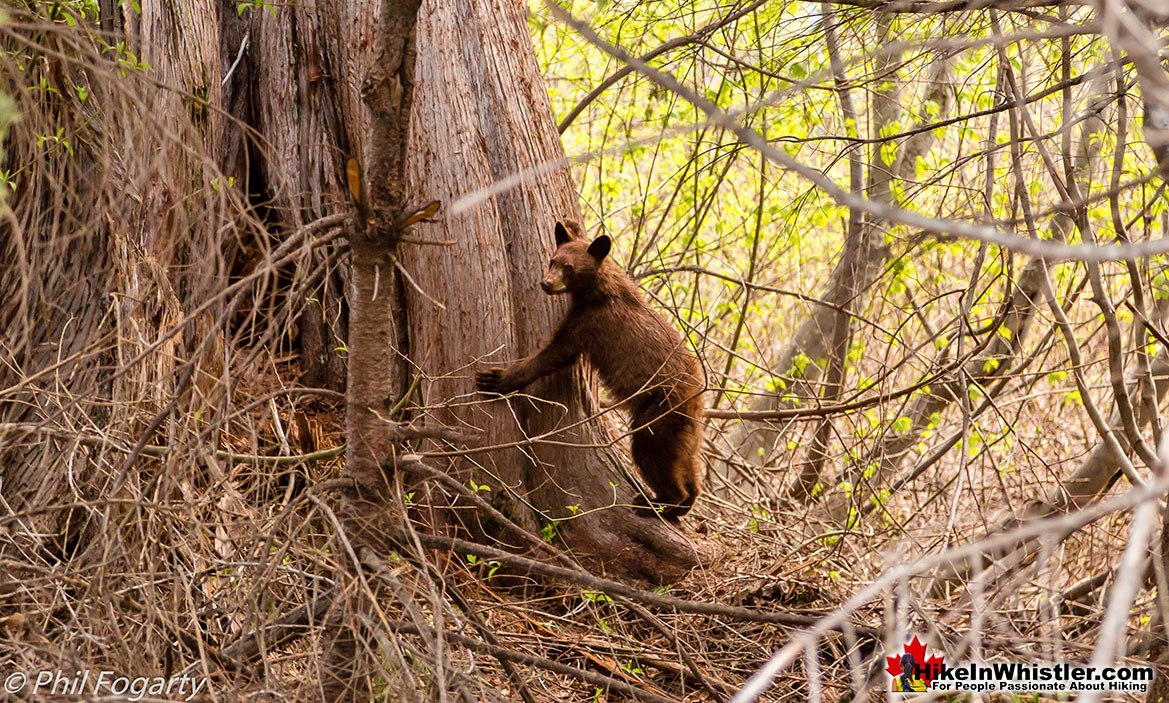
(1083, 487)
(842, 296)
(1131, 29)
(999, 356)
(1159, 653)
(801, 362)
(368, 510)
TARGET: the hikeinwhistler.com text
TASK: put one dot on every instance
(1020, 677)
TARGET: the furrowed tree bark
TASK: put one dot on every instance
(299, 82)
(137, 252)
(292, 80)
(91, 292)
(481, 114)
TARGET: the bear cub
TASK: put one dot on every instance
(640, 358)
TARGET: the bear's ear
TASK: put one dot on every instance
(600, 247)
(562, 235)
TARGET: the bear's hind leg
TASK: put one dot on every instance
(660, 454)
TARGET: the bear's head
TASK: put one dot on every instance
(575, 264)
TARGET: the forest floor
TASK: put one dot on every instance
(754, 560)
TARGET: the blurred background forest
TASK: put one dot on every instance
(919, 246)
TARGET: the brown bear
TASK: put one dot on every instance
(641, 359)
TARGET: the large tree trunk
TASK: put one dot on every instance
(155, 230)
(96, 289)
(301, 73)
(481, 115)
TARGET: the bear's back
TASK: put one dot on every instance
(634, 350)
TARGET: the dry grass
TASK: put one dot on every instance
(152, 520)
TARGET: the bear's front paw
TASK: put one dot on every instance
(490, 381)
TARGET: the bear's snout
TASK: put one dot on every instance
(554, 282)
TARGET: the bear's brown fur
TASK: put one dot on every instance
(641, 359)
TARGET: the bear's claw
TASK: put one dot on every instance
(489, 381)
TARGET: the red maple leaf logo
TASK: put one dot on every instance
(926, 667)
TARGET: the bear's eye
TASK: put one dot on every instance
(568, 269)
